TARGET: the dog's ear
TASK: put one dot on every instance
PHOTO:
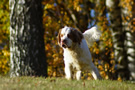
(59, 37)
(77, 36)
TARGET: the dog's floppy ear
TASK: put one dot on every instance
(77, 36)
(59, 38)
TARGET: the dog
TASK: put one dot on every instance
(76, 52)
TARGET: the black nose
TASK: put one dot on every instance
(64, 41)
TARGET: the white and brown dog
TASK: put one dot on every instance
(76, 52)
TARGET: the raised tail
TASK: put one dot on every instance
(91, 35)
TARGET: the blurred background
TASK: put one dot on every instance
(114, 54)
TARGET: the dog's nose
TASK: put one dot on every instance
(64, 41)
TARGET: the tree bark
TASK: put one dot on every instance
(128, 26)
(118, 34)
(27, 51)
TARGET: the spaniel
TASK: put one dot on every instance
(76, 52)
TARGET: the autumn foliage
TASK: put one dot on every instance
(81, 14)
(4, 37)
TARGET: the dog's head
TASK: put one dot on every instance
(68, 35)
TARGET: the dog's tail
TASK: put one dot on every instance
(91, 35)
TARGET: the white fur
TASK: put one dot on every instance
(65, 31)
(79, 57)
(91, 35)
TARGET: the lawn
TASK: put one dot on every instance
(40, 83)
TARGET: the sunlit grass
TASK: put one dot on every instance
(40, 83)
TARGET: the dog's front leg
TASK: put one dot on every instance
(78, 75)
(68, 71)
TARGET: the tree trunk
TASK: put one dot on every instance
(128, 26)
(118, 38)
(27, 52)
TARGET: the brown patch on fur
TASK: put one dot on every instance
(76, 35)
(59, 37)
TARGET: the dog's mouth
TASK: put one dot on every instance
(64, 45)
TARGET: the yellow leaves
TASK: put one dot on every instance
(6, 53)
(106, 77)
(54, 74)
(102, 73)
(4, 60)
(47, 47)
(54, 55)
(4, 37)
(127, 4)
(48, 6)
(106, 67)
(4, 66)
(119, 79)
(75, 5)
(101, 67)
(78, 8)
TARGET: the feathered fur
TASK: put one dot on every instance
(91, 35)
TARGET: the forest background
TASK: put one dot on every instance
(114, 54)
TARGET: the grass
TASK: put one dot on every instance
(40, 83)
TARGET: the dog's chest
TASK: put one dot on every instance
(77, 59)
(73, 56)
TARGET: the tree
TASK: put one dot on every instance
(121, 16)
(128, 26)
(118, 33)
(27, 54)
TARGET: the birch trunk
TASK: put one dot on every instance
(118, 38)
(128, 26)
(27, 54)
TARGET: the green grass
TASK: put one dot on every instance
(40, 83)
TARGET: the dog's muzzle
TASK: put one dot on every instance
(64, 43)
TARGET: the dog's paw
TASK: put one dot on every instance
(68, 78)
